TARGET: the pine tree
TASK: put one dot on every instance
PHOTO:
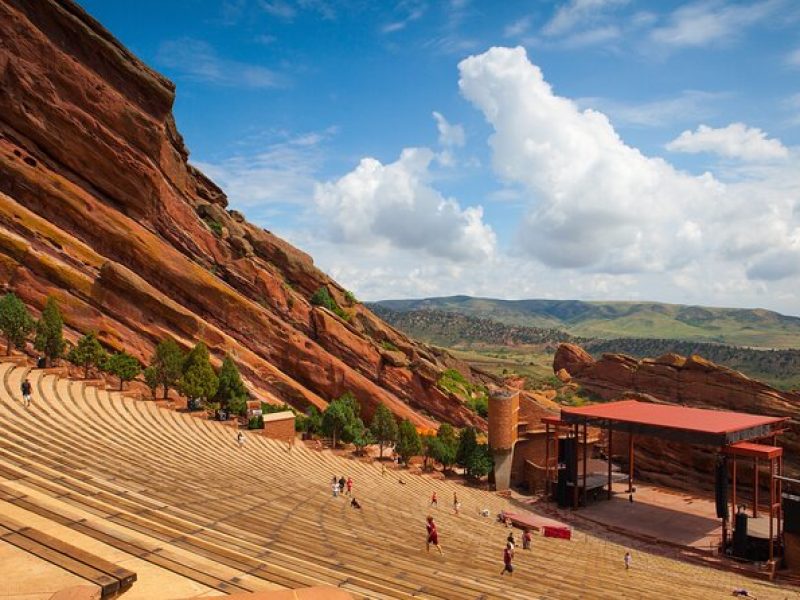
(231, 391)
(167, 364)
(16, 323)
(198, 380)
(384, 427)
(87, 353)
(124, 366)
(408, 442)
(50, 331)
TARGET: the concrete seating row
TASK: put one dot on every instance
(177, 492)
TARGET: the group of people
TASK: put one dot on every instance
(342, 487)
(456, 503)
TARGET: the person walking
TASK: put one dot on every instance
(628, 560)
(456, 503)
(26, 392)
(433, 536)
(434, 501)
(526, 539)
(508, 556)
(335, 488)
(240, 439)
(342, 482)
(510, 540)
(349, 485)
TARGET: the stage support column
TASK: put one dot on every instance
(547, 462)
(575, 483)
(630, 462)
(780, 499)
(733, 497)
(771, 507)
(610, 450)
(755, 488)
(585, 458)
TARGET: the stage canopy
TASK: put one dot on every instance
(676, 423)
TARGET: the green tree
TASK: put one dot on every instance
(431, 448)
(408, 442)
(87, 353)
(198, 380)
(339, 418)
(151, 380)
(384, 427)
(231, 391)
(362, 436)
(124, 366)
(16, 322)
(311, 422)
(168, 364)
(480, 462)
(49, 338)
(447, 447)
(467, 444)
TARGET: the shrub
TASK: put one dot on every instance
(256, 422)
(322, 297)
(479, 404)
(387, 345)
(214, 226)
(350, 297)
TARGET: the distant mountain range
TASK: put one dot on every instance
(757, 328)
(779, 367)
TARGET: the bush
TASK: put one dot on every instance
(387, 345)
(256, 422)
(479, 404)
(350, 297)
(322, 297)
(214, 226)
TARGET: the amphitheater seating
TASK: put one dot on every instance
(177, 493)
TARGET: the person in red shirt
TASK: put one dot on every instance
(508, 555)
(434, 501)
(526, 540)
(349, 486)
(433, 536)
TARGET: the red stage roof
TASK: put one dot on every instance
(666, 420)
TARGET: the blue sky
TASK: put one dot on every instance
(594, 149)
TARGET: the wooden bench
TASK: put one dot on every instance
(110, 578)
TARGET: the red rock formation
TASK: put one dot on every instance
(692, 381)
(99, 207)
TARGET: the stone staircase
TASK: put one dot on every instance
(175, 499)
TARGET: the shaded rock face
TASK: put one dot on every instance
(99, 207)
(691, 381)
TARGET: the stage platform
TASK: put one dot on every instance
(666, 516)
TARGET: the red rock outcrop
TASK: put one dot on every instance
(691, 381)
(99, 207)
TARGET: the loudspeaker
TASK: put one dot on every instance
(740, 535)
(571, 458)
(791, 513)
(567, 472)
(721, 487)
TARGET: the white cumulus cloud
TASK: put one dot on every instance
(737, 140)
(601, 203)
(395, 204)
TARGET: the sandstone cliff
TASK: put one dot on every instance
(99, 207)
(692, 381)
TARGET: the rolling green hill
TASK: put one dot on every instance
(756, 328)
